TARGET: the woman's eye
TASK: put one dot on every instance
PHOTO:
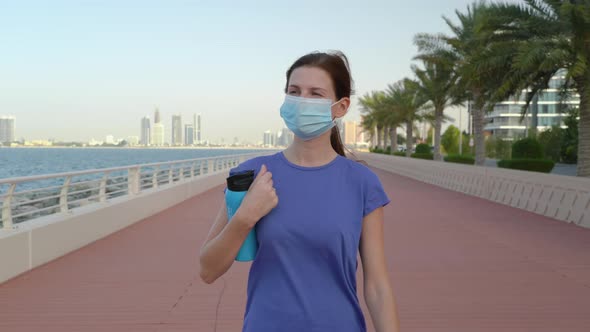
(292, 92)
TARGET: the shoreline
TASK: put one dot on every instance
(144, 147)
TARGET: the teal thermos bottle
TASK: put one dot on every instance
(237, 187)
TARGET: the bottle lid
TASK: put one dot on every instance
(240, 181)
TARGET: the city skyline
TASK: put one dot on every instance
(70, 68)
(155, 133)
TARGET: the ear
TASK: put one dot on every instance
(339, 110)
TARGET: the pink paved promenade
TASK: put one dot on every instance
(457, 264)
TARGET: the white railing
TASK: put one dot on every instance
(560, 197)
(30, 197)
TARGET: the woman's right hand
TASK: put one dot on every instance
(260, 199)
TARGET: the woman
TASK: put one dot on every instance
(314, 210)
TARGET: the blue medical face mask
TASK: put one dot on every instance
(307, 118)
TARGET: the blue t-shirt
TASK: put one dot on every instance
(303, 277)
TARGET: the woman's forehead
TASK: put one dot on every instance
(310, 77)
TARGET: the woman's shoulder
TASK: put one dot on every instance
(253, 163)
(361, 170)
(358, 165)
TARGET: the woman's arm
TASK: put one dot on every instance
(377, 286)
(223, 243)
(225, 238)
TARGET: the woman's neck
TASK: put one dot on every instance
(315, 152)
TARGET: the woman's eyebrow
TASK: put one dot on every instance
(294, 86)
(317, 88)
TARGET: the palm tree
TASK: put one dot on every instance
(547, 35)
(436, 83)
(406, 103)
(479, 69)
(393, 117)
(369, 124)
(373, 107)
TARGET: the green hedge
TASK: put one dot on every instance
(533, 165)
(461, 159)
(527, 148)
(428, 156)
(422, 148)
(377, 150)
(399, 154)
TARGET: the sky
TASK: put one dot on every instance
(77, 70)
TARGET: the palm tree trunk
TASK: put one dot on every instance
(478, 119)
(379, 141)
(409, 138)
(584, 133)
(438, 115)
(534, 116)
(393, 138)
(385, 136)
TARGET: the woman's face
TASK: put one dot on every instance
(313, 82)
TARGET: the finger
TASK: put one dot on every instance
(261, 173)
(262, 170)
(266, 177)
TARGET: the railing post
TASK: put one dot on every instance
(102, 193)
(201, 167)
(181, 173)
(210, 165)
(192, 170)
(133, 180)
(6, 207)
(170, 171)
(155, 177)
(63, 196)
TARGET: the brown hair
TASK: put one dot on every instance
(335, 63)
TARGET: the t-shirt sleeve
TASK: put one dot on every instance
(375, 196)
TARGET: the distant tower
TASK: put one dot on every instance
(194, 128)
(189, 134)
(268, 138)
(176, 130)
(157, 132)
(197, 128)
(146, 131)
(287, 137)
(350, 134)
(7, 129)
(157, 116)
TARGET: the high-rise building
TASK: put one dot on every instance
(176, 130)
(279, 138)
(157, 130)
(268, 139)
(157, 116)
(287, 137)
(145, 131)
(189, 134)
(504, 121)
(158, 134)
(7, 129)
(110, 139)
(197, 128)
(350, 135)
